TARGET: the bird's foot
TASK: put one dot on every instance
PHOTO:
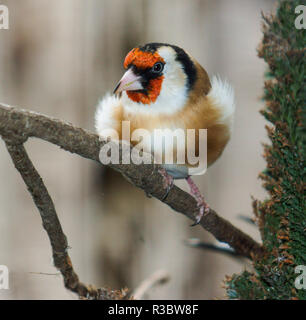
(202, 205)
(168, 182)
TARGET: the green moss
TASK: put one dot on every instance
(281, 217)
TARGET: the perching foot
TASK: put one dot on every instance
(202, 205)
(168, 182)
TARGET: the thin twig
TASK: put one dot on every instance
(196, 243)
(158, 277)
(247, 219)
(20, 124)
(45, 273)
(50, 221)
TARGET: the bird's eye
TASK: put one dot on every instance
(158, 67)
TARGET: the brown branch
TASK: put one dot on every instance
(20, 125)
(52, 224)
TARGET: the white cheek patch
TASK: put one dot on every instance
(173, 95)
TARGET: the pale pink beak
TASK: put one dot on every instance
(130, 81)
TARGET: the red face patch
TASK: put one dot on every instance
(144, 60)
(153, 90)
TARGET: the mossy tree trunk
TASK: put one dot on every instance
(281, 218)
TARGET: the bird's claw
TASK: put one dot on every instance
(203, 210)
(167, 191)
(168, 182)
(202, 205)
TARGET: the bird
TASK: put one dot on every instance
(166, 87)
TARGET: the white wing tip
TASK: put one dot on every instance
(104, 112)
(223, 97)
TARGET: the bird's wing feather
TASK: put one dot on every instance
(108, 114)
(223, 98)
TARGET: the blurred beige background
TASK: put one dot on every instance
(58, 58)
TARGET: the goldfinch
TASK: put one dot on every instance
(165, 87)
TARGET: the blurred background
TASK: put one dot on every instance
(59, 58)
